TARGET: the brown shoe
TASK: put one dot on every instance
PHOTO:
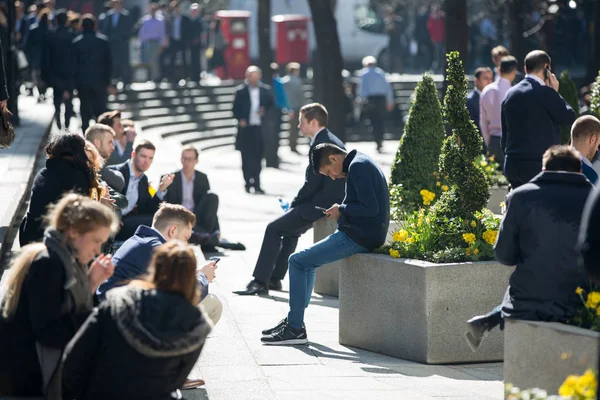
(192, 384)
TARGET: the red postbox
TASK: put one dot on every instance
(292, 38)
(234, 25)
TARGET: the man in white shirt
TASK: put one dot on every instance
(252, 101)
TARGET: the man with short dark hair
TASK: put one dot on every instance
(142, 203)
(498, 53)
(490, 104)
(539, 234)
(122, 143)
(92, 70)
(117, 25)
(363, 222)
(532, 113)
(102, 137)
(483, 77)
(585, 138)
(281, 235)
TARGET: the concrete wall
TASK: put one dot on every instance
(497, 196)
(418, 310)
(542, 354)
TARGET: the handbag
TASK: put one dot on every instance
(7, 131)
(209, 52)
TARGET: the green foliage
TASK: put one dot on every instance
(492, 169)
(568, 90)
(419, 150)
(469, 186)
(595, 97)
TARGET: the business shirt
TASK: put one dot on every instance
(115, 19)
(312, 139)
(176, 34)
(153, 28)
(536, 78)
(490, 108)
(373, 83)
(254, 105)
(188, 192)
(133, 193)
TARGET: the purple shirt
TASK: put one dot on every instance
(153, 28)
(490, 108)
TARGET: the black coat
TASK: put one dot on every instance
(147, 204)
(242, 103)
(137, 344)
(175, 191)
(57, 56)
(539, 235)
(589, 236)
(3, 87)
(120, 34)
(91, 60)
(473, 107)
(35, 43)
(60, 176)
(194, 31)
(319, 190)
(39, 317)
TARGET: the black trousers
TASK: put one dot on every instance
(250, 143)
(495, 148)
(279, 242)
(375, 108)
(93, 103)
(195, 66)
(121, 70)
(175, 48)
(59, 100)
(519, 172)
(206, 213)
(131, 223)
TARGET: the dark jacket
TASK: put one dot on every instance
(175, 192)
(133, 258)
(242, 103)
(589, 173)
(57, 68)
(60, 176)
(91, 60)
(366, 207)
(147, 204)
(473, 107)
(531, 118)
(319, 190)
(113, 178)
(118, 36)
(139, 344)
(194, 32)
(589, 236)
(3, 87)
(39, 317)
(34, 44)
(116, 158)
(539, 235)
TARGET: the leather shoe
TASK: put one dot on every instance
(252, 289)
(258, 191)
(275, 285)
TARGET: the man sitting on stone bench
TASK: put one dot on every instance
(539, 235)
(363, 221)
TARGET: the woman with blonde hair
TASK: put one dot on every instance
(144, 339)
(48, 295)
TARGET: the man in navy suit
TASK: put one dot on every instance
(483, 77)
(117, 26)
(281, 236)
(252, 102)
(532, 113)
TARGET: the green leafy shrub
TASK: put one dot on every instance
(417, 157)
(595, 97)
(469, 186)
(492, 170)
(568, 90)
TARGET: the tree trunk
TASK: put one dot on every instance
(330, 64)
(457, 28)
(594, 53)
(10, 64)
(264, 39)
(517, 27)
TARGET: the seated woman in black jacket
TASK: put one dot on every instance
(67, 169)
(48, 295)
(144, 339)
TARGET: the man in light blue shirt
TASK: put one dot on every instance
(376, 95)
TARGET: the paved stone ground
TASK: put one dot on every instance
(234, 363)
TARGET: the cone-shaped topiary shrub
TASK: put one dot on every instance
(469, 187)
(419, 150)
(568, 91)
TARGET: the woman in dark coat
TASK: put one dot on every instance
(67, 169)
(48, 296)
(144, 339)
(218, 43)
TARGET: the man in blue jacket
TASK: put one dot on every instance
(171, 222)
(363, 221)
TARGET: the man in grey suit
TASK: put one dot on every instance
(292, 83)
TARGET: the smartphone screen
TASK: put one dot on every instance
(215, 259)
(320, 208)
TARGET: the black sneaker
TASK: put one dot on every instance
(274, 329)
(286, 335)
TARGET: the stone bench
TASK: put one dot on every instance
(543, 354)
(328, 276)
(417, 310)
(497, 196)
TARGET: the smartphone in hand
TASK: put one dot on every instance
(215, 260)
(320, 208)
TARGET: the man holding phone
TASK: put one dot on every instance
(532, 113)
(281, 235)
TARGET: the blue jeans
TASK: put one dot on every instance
(302, 267)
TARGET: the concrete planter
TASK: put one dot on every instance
(417, 310)
(328, 276)
(497, 196)
(543, 354)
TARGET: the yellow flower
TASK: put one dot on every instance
(491, 158)
(502, 204)
(410, 240)
(483, 163)
(468, 251)
(469, 238)
(473, 223)
(489, 169)
(579, 291)
(413, 226)
(476, 251)
(586, 385)
(445, 188)
(400, 236)
(567, 389)
(438, 184)
(490, 236)
(394, 253)
(593, 300)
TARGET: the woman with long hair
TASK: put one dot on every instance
(144, 339)
(48, 295)
(67, 169)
